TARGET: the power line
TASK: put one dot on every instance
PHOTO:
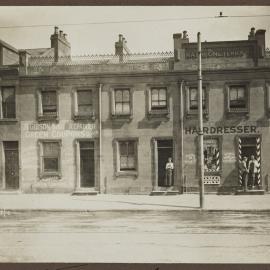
(134, 21)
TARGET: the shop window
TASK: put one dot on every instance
(192, 101)
(158, 101)
(50, 158)
(83, 103)
(211, 153)
(47, 105)
(7, 104)
(121, 103)
(237, 98)
(126, 157)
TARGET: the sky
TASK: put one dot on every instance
(141, 37)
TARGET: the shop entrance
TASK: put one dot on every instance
(164, 151)
(251, 146)
(11, 165)
(87, 164)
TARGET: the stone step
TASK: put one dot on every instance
(250, 192)
(84, 192)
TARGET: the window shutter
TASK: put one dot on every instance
(75, 103)
(39, 103)
(112, 102)
(40, 149)
(1, 105)
(148, 97)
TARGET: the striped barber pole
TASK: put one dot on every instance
(217, 160)
(258, 157)
(240, 158)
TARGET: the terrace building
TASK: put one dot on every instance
(109, 123)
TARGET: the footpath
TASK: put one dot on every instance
(107, 202)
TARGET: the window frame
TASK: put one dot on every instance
(41, 116)
(116, 144)
(219, 138)
(193, 113)
(114, 115)
(158, 113)
(76, 115)
(42, 172)
(267, 98)
(238, 111)
(8, 119)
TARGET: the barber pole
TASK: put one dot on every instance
(258, 157)
(240, 158)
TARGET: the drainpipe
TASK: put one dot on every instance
(100, 137)
(181, 141)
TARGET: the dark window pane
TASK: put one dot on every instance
(237, 97)
(51, 149)
(8, 102)
(86, 145)
(50, 164)
(123, 148)
(84, 97)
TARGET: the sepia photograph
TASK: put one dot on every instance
(135, 135)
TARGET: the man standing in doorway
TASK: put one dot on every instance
(244, 172)
(169, 172)
(253, 167)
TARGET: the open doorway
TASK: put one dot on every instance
(164, 151)
(251, 146)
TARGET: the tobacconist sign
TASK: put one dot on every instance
(223, 130)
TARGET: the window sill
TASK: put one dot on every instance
(238, 113)
(46, 118)
(195, 115)
(158, 114)
(49, 175)
(121, 117)
(126, 174)
(84, 118)
(8, 120)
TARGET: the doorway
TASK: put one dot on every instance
(250, 146)
(87, 164)
(11, 165)
(164, 151)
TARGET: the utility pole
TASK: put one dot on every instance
(200, 134)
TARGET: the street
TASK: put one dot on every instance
(135, 236)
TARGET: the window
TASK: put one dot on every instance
(237, 97)
(211, 153)
(47, 105)
(50, 158)
(158, 99)
(127, 155)
(194, 98)
(8, 106)
(85, 105)
(122, 101)
(267, 98)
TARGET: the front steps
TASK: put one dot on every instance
(163, 191)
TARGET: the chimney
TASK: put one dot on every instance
(179, 39)
(121, 47)
(60, 44)
(251, 35)
(260, 37)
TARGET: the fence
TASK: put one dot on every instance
(158, 57)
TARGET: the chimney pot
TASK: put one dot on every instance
(185, 35)
(61, 32)
(56, 30)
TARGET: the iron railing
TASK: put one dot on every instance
(157, 57)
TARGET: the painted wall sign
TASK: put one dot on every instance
(219, 52)
(222, 130)
(190, 159)
(229, 157)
